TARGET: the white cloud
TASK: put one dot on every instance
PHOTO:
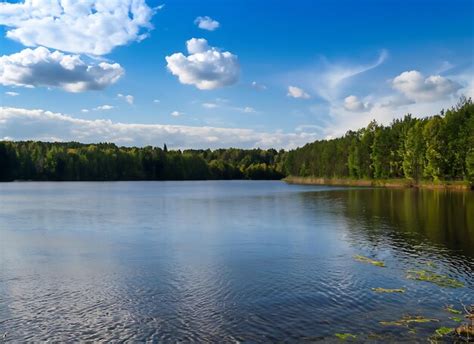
(41, 67)
(103, 108)
(416, 87)
(85, 110)
(12, 94)
(258, 86)
(210, 105)
(90, 26)
(354, 104)
(296, 92)
(156, 101)
(24, 124)
(128, 98)
(206, 23)
(249, 109)
(205, 67)
(176, 114)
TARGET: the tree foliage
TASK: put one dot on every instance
(434, 148)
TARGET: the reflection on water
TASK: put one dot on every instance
(226, 261)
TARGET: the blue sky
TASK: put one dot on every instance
(257, 74)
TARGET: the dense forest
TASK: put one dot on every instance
(30, 160)
(436, 148)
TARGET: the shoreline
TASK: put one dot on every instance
(383, 183)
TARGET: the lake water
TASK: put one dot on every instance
(227, 261)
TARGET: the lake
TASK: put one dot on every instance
(228, 261)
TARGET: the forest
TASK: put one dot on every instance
(437, 148)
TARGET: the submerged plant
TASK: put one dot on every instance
(383, 290)
(345, 336)
(429, 276)
(407, 320)
(363, 259)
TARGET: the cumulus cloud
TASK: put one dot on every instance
(128, 98)
(296, 92)
(206, 23)
(414, 86)
(41, 67)
(176, 113)
(210, 105)
(12, 94)
(26, 124)
(205, 67)
(91, 27)
(353, 103)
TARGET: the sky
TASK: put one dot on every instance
(219, 74)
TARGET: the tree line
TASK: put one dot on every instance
(72, 161)
(437, 148)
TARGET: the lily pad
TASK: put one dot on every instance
(429, 276)
(407, 320)
(383, 290)
(456, 319)
(345, 336)
(368, 260)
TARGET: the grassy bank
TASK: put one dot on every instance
(388, 183)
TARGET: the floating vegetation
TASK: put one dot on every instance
(363, 259)
(443, 331)
(429, 276)
(452, 310)
(383, 290)
(345, 336)
(456, 319)
(431, 264)
(407, 320)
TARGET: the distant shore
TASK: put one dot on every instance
(387, 183)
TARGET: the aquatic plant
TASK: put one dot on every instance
(363, 259)
(383, 290)
(456, 319)
(429, 276)
(345, 336)
(407, 320)
(452, 310)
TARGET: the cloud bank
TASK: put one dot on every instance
(93, 27)
(205, 67)
(25, 124)
(41, 67)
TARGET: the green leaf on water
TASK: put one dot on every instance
(442, 331)
(407, 320)
(383, 290)
(363, 259)
(456, 319)
(429, 276)
(345, 336)
(452, 310)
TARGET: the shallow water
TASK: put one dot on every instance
(226, 261)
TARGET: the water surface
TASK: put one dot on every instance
(226, 261)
